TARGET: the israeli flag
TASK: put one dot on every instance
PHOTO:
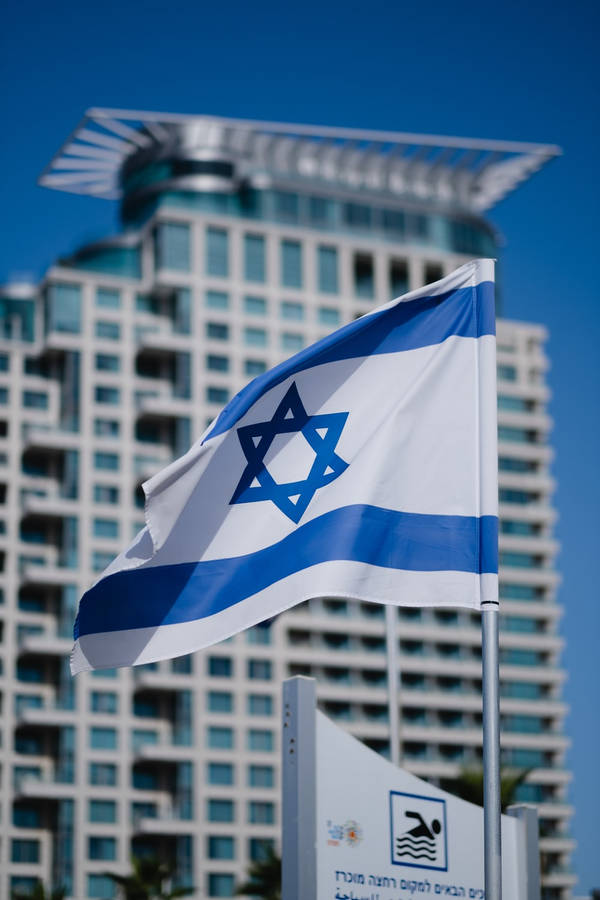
(364, 467)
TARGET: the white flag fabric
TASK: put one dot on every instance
(364, 467)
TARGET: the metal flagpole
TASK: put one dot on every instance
(391, 618)
(491, 752)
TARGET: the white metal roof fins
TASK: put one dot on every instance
(469, 174)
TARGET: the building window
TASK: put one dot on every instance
(102, 848)
(100, 887)
(25, 851)
(109, 331)
(255, 337)
(291, 264)
(292, 341)
(220, 810)
(259, 634)
(364, 276)
(217, 300)
(4, 396)
(327, 270)
(398, 277)
(108, 461)
(259, 669)
(221, 847)
(254, 258)
(357, 215)
(261, 813)
(103, 774)
(254, 367)
(104, 702)
(107, 362)
(258, 848)
(217, 252)
(106, 428)
(102, 811)
(142, 736)
(292, 311)
(219, 701)
(221, 885)
(103, 738)
(105, 528)
(219, 738)
(109, 298)
(217, 395)
(507, 373)
(517, 435)
(260, 740)
(172, 246)
(106, 493)
(260, 705)
(63, 308)
(255, 306)
(221, 666)
(104, 394)
(182, 665)
(321, 210)
(261, 777)
(433, 272)
(217, 331)
(35, 400)
(217, 363)
(219, 773)
(286, 206)
(328, 316)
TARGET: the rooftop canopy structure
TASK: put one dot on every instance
(115, 154)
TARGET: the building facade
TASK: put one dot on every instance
(241, 243)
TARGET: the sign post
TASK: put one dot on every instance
(355, 827)
(299, 789)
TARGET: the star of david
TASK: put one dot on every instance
(322, 432)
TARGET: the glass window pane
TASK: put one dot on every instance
(255, 306)
(254, 257)
(219, 773)
(327, 270)
(329, 316)
(364, 276)
(217, 300)
(108, 297)
(254, 367)
(217, 252)
(221, 847)
(292, 310)
(173, 246)
(63, 308)
(220, 810)
(291, 264)
(255, 337)
(109, 331)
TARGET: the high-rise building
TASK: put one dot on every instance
(241, 243)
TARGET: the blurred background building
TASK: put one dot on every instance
(241, 243)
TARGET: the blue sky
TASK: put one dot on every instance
(512, 71)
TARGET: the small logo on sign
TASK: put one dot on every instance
(350, 833)
(418, 831)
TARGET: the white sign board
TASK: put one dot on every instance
(382, 834)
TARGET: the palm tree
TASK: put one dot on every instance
(264, 877)
(39, 892)
(469, 785)
(149, 880)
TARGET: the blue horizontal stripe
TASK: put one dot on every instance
(408, 325)
(184, 592)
